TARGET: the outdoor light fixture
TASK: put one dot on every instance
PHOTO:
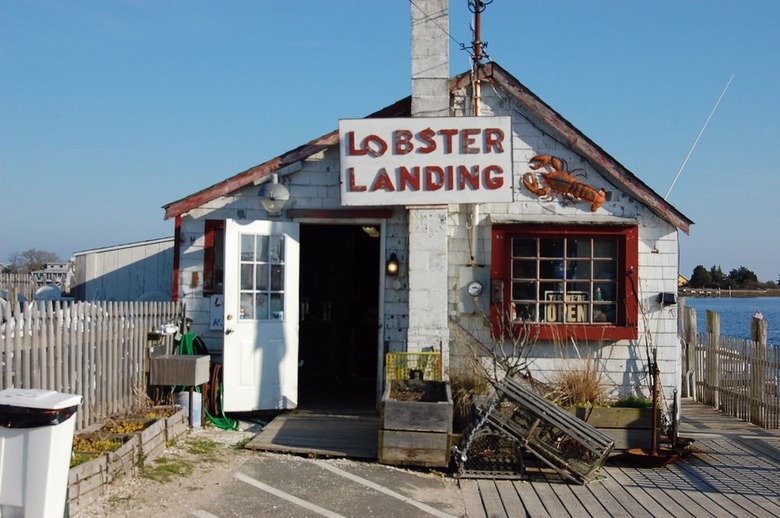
(392, 265)
(273, 195)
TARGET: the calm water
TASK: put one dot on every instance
(735, 315)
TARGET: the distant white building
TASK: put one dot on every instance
(132, 271)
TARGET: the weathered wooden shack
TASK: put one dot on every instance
(422, 227)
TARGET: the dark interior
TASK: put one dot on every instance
(339, 318)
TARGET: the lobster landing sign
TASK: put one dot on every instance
(421, 161)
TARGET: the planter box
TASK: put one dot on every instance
(629, 427)
(176, 425)
(152, 439)
(87, 481)
(415, 432)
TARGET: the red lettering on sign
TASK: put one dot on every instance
(353, 187)
(383, 182)
(467, 141)
(426, 137)
(491, 182)
(402, 142)
(468, 177)
(494, 140)
(407, 178)
(447, 140)
(434, 178)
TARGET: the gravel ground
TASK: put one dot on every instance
(206, 459)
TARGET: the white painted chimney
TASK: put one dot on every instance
(428, 255)
(430, 58)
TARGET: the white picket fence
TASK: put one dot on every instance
(96, 349)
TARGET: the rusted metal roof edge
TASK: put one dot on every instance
(596, 156)
(400, 108)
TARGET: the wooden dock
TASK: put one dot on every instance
(732, 470)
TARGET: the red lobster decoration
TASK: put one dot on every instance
(561, 182)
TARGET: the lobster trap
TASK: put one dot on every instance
(560, 440)
(408, 366)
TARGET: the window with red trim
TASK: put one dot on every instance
(214, 257)
(571, 281)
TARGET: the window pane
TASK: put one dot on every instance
(605, 247)
(247, 279)
(603, 313)
(578, 247)
(247, 308)
(261, 306)
(262, 277)
(551, 247)
(262, 248)
(551, 268)
(522, 247)
(277, 249)
(604, 269)
(524, 312)
(277, 306)
(277, 277)
(524, 269)
(523, 291)
(247, 248)
(579, 269)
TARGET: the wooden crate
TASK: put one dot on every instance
(415, 433)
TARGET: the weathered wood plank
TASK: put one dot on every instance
(530, 499)
(494, 507)
(549, 498)
(472, 500)
(509, 498)
(622, 498)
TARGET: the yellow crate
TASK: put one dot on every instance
(403, 366)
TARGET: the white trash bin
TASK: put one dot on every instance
(36, 437)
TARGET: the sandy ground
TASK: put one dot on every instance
(145, 494)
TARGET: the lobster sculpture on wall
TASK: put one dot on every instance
(562, 182)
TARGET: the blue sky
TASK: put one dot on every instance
(111, 109)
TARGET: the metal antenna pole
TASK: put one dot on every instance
(698, 137)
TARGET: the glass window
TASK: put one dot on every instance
(262, 277)
(566, 276)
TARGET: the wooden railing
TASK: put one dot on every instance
(96, 349)
(740, 377)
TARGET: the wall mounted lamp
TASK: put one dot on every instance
(273, 195)
(392, 265)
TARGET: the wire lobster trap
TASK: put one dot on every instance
(408, 366)
(559, 439)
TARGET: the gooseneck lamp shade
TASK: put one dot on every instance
(273, 195)
(392, 265)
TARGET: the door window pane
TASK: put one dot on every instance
(261, 277)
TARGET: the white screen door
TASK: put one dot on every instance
(260, 359)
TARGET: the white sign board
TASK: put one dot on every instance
(419, 161)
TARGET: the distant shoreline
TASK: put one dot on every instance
(725, 294)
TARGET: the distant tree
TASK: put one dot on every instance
(701, 278)
(717, 277)
(31, 260)
(744, 278)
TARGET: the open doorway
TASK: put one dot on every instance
(339, 319)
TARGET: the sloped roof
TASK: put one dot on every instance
(561, 129)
